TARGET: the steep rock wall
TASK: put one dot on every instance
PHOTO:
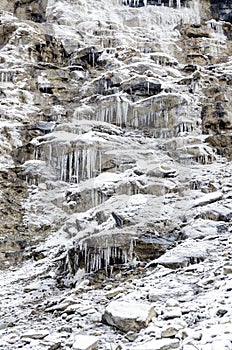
(88, 85)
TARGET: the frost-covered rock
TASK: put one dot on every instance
(159, 344)
(227, 269)
(35, 334)
(85, 342)
(128, 316)
(208, 198)
(189, 252)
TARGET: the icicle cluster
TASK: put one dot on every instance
(74, 166)
(7, 76)
(79, 164)
(103, 258)
(116, 113)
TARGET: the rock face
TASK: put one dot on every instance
(27, 9)
(115, 169)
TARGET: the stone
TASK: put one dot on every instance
(128, 316)
(189, 347)
(222, 143)
(208, 198)
(184, 254)
(221, 344)
(35, 334)
(170, 313)
(55, 346)
(227, 269)
(114, 292)
(159, 344)
(171, 302)
(169, 332)
(85, 342)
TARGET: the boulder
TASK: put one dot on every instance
(128, 316)
(85, 342)
(227, 269)
(187, 253)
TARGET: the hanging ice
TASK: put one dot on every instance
(79, 164)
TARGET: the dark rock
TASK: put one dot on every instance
(222, 143)
(118, 219)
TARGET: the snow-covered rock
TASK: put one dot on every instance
(85, 342)
(128, 316)
(115, 193)
(208, 198)
(159, 344)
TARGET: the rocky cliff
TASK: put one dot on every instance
(115, 170)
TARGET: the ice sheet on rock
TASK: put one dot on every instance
(162, 293)
(42, 208)
(120, 17)
(36, 171)
(73, 157)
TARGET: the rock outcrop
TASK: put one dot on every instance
(116, 173)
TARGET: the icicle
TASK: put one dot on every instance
(84, 162)
(85, 252)
(50, 153)
(76, 165)
(131, 249)
(36, 153)
(93, 56)
(70, 168)
(61, 168)
(100, 161)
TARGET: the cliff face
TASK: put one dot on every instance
(73, 73)
(115, 131)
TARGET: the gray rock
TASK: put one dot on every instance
(169, 331)
(34, 334)
(189, 252)
(227, 269)
(128, 316)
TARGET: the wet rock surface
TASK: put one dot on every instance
(115, 175)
